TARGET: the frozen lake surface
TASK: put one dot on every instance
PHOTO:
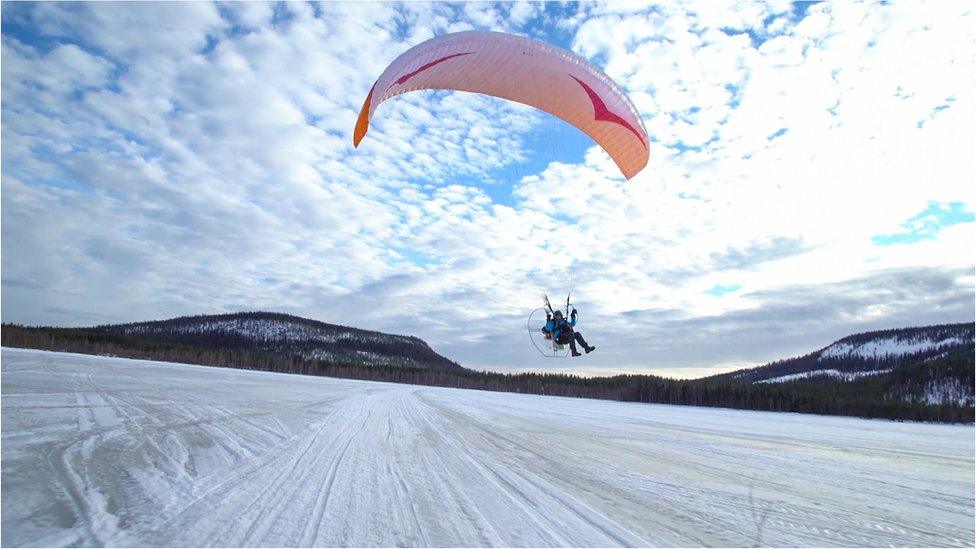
(107, 451)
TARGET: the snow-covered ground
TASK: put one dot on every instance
(123, 452)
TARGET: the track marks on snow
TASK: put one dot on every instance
(113, 452)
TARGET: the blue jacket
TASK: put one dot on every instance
(556, 327)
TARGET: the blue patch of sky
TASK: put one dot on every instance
(233, 28)
(736, 92)
(689, 115)
(63, 183)
(317, 10)
(770, 19)
(212, 42)
(402, 26)
(281, 14)
(833, 109)
(76, 95)
(546, 26)
(115, 75)
(562, 218)
(416, 257)
(17, 23)
(756, 36)
(936, 110)
(683, 147)
(927, 224)
(147, 150)
(552, 139)
(761, 33)
(798, 10)
(720, 290)
(52, 159)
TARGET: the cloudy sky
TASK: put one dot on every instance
(811, 176)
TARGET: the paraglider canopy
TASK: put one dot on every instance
(523, 70)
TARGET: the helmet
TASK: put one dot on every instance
(557, 314)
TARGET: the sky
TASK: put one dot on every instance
(811, 176)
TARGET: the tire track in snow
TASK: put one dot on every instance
(447, 475)
(526, 491)
(403, 492)
(709, 506)
(98, 523)
(257, 517)
(550, 533)
(543, 490)
(325, 488)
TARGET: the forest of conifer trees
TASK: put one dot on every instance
(894, 396)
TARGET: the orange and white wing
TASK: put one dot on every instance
(523, 70)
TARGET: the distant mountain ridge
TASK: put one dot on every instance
(921, 374)
(287, 335)
(920, 363)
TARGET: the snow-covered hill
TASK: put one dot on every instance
(925, 364)
(909, 342)
(109, 451)
(287, 335)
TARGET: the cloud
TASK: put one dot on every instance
(757, 253)
(131, 34)
(166, 159)
(796, 319)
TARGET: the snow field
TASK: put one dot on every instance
(108, 451)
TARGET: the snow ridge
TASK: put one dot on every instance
(888, 347)
(831, 372)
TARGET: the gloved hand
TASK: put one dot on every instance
(574, 313)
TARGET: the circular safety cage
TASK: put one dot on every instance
(542, 341)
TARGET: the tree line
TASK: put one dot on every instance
(898, 395)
